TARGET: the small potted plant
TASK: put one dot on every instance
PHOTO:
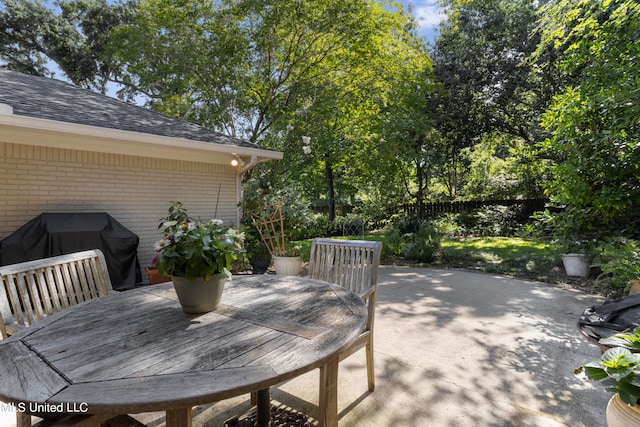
(576, 251)
(576, 256)
(618, 371)
(573, 238)
(197, 255)
(258, 256)
(289, 261)
(270, 223)
(154, 276)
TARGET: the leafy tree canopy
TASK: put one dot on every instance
(72, 35)
(595, 120)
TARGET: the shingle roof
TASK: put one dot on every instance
(45, 98)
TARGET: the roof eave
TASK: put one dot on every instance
(55, 134)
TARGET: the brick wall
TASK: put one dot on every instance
(136, 191)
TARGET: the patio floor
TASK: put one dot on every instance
(454, 348)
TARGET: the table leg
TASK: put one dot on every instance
(179, 417)
(329, 394)
(23, 419)
(263, 407)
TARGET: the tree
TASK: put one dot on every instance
(237, 66)
(75, 38)
(595, 121)
(484, 84)
(349, 108)
(273, 72)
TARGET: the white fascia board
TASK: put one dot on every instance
(50, 133)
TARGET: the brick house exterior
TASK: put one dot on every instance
(67, 149)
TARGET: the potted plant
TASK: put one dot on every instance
(154, 276)
(270, 223)
(197, 255)
(573, 238)
(575, 255)
(575, 250)
(258, 256)
(618, 371)
(289, 261)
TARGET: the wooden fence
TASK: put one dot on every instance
(529, 206)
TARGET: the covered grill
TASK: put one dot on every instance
(52, 234)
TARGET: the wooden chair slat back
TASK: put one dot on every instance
(351, 264)
(33, 290)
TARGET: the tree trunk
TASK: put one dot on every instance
(420, 191)
(330, 189)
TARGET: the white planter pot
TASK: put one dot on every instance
(576, 265)
(199, 296)
(619, 414)
(287, 265)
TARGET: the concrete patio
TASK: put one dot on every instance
(454, 348)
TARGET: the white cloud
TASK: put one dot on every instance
(427, 13)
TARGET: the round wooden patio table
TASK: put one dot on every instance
(137, 351)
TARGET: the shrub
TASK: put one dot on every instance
(392, 242)
(408, 224)
(495, 220)
(619, 260)
(426, 243)
(447, 224)
(317, 225)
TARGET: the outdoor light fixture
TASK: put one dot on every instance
(236, 161)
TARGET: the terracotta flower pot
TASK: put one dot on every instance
(155, 277)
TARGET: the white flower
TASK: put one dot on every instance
(168, 224)
(289, 128)
(306, 140)
(187, 226)
(217, 221)
(306, 149)
(160, 244)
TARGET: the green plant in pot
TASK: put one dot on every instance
(258, 255)
(196, 255)
(573, 237)
(618, 371)
(271, 225)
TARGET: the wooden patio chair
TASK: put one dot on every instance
(352, 264)
(33, 290)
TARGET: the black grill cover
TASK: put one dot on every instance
(615, 316)
(52, 234)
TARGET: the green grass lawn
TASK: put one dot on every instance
(525, 258)
(506, 255)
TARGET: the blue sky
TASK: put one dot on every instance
(428, 14)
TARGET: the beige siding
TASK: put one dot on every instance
(136, 191)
